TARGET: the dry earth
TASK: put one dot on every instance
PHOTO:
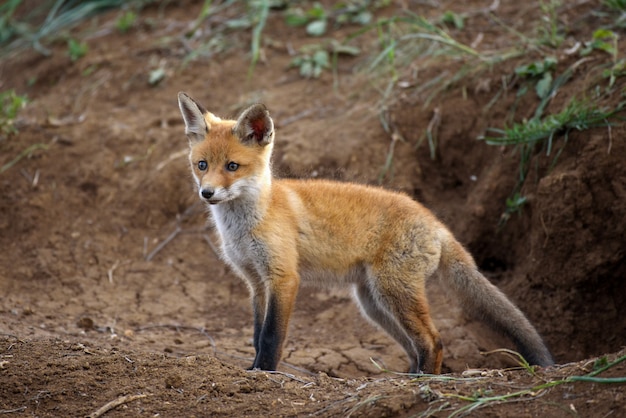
(109, 287)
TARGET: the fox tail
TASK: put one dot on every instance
(484, 301)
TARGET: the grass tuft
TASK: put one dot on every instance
(261, 8)
(10, 105)
(481, 398)
(59, 15)
(578, 115)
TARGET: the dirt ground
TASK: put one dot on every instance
(110, 288)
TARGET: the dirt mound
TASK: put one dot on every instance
(110, 283)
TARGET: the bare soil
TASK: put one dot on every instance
(110, 288)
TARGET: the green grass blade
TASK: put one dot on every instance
(21, 155)
(256, 34)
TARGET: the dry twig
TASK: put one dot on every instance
(163, 243)
(211, 245)
(289, 375)
(112, 269)
(10, 411)
(114, 404)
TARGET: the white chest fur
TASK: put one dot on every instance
(235, 223)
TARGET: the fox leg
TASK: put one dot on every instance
(405, 305)
(373, 310)
(259, 304)
(270, 336)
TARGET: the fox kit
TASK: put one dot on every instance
(277, 233)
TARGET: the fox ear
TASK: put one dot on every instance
(193, 113)
(255, 126)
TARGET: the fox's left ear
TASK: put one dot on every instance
(193, 113)
(255, 126)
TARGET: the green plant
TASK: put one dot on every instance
(24, 154)
(578, 115)
(251, 14)
(218, 40)
(313, 59)
(11, 104)
(413, 42)
(311, 63)
(481, 399)
(619, 8)
(550, 34)
(56, 15)
(412, 39)
(480, 396)
(514, 203)
(537, 68)
(451, 18)
(204, 13)
(407, 40)
(619, 5)
(76, 49)
(355, 12)
(618, 69)
(541, 73)
(156, 76)
(607, 41)
(315, 19)
(126, 21)
(261, 8)
(546, 87)
(8, 28)
(602, 40)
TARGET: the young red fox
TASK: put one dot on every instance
(275, 233)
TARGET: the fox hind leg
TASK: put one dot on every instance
(374, 311)
(401, 309)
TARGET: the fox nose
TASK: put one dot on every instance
(207, 193)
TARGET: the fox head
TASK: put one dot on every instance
(229, 159)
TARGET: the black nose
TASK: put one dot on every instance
(207, 193)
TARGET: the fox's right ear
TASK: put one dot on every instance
(193, 113)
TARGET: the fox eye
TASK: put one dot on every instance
(232, 166)
(202, 165)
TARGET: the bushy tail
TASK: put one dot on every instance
(481, 299)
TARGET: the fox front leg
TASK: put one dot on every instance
(259, 311)
(270, 336)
